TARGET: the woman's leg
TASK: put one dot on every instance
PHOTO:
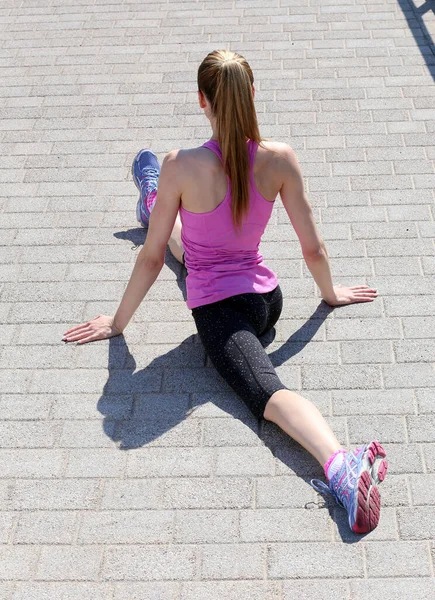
(239, 357)
(230, 339)
(145, 171)
(175, 244)
(298, 417)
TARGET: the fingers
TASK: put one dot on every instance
(363, 295)
(90, 338)
(363, 298)
(364, 290)
(76, 328)
(73, 337)
(81, 326)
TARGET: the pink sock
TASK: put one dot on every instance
(334, 463)
(150, 200)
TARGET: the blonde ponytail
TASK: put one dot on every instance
(226, 80)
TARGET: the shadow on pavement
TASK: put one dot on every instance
(414, 16)
(135, 417)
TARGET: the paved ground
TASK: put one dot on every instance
(128, 470)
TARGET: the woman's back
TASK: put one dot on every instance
(223, 260)
(205, 182)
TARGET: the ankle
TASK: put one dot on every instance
(334, 463)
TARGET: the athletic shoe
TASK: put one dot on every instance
(354, 486)
(145, 171)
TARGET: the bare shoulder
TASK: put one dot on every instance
(182, 162)
(281, 159)
(282, 152)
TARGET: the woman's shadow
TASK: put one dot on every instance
(142, 406)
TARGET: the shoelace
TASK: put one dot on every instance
(149, 180)
(149, 174)
(351, 466)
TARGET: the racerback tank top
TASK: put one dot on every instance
(220, 261)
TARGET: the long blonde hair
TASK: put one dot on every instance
(226, 79)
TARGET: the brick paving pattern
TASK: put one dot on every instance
(128, 470)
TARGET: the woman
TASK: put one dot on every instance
(224, 192)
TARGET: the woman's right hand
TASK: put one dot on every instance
(101, 327)
(350, 295)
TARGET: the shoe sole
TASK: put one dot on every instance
(373, 472)
(137, 205)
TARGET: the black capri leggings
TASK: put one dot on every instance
(229, 330)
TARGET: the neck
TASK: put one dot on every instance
(214, 135)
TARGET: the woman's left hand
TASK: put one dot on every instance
(101, 327)
(350, 295)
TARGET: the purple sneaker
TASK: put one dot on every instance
(145, 171)
(354, 486)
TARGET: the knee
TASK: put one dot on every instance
(274, 405)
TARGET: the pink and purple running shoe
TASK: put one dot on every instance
(145, 171)
(354, 486)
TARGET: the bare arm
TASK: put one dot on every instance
(301, 216)
(313, 248)
(148, 263)
(151, 258)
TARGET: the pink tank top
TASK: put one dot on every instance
(221, 262)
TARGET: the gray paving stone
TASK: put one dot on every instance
(366, 329)
(95, 462)
(390, 266)
(54, 494)
(243, 461)
(27, 434)
(414, 351)
(421, 428)
(68, 562)
(390, 588)
(385, 428)
(232, 561)
(425, 400)
(7, 522)
(219, 432)
(153, 591)
(418, 327)
(17, 562)
(283, 492)
(45, 312)
(399, 559)
(206, 526)
(322, 590)
(27, 462)
(419, 306)
(231, 590)
(82, 434)
(422, 487)
(23, 406)
(7, 589)
(383, 231)
(342, 377)
(403, 458)
(408, 375)
(222, 492)
(46, 527)
(369, 402)
(402, 247)
(277, 525)
(127, 527)
(314, 560)
(162, 462)
(149, 563)
(66, 590)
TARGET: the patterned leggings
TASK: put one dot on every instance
(230, 330)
